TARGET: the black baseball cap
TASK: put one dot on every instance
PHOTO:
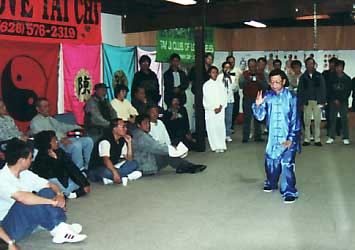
(100, 86)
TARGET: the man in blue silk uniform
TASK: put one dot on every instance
(280, 107)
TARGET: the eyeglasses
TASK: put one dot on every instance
(276, 82)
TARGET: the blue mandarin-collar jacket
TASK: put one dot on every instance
(283, 121)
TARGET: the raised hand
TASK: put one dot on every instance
(259, 98)
(128, 138)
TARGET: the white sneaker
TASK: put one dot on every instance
(76, 228)
(107, 181)
(135, 175)
(65, 234)
(346, 141)
(229, 139)
(124, 181)
(329, 141)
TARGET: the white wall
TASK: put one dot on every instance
(111, 29)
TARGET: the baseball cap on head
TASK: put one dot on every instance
(100, 86)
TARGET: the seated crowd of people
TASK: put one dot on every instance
(123, 140)
(119, 142)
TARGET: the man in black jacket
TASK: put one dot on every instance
(311, 94)
(147, 79)
(175, 81)
(176, 121)
(209, 58)
(328, 76)
(339, 93)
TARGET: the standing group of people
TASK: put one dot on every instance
(318, 93)
(282, 102)
(221, 100)
(328, 93)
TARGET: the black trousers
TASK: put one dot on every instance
(236, 107)
(175, 162)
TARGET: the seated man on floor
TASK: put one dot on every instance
(78, 148)
(176, 121)
(140, 101)
(112, 158)
(28, 201)
(98, 112)
(153, 156)
(157, 128)
(8, 130)
(122, 106)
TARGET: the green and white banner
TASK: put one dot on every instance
(181, 41)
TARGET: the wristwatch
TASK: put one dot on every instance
(11, 242)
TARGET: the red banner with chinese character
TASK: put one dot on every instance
(28, 71)
(51, 21)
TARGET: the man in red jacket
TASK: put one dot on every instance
(251, 82)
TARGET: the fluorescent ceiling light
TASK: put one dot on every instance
(311, 17)
(183, 2)
(255, 24)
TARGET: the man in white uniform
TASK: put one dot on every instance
(215, 102)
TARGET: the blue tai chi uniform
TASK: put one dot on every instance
(283, 123)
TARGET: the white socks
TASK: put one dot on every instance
(135, 175)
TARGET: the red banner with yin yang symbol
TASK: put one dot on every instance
(28, 71)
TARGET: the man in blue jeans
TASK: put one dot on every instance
(28, 201)
(112, 158)
(78, 148)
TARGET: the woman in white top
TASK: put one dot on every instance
(122, 106)
(215, 102)
(230, 87)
